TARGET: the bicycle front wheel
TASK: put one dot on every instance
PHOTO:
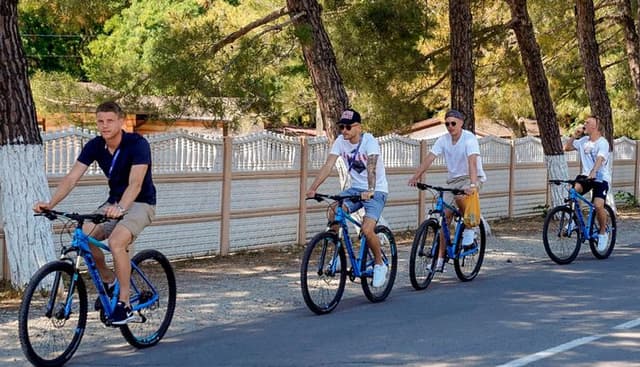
(152, 278)
(53, 315)
(610, 229)
(423, 254)
(468, 261)
(561, 235)
(389, 257)
(321, 280)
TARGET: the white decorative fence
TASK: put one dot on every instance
(218, 195)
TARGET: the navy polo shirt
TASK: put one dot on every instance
(133, 149)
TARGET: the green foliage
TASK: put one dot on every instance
(56, 33)
(627, 198)
(377, 45)
(392, 55)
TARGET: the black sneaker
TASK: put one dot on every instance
(109, 288)
(122, 314)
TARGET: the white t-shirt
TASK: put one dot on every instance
(456, 155)
(357, 162)
(589, 152)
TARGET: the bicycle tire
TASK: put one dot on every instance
(322, 288)
(468, 267)
(390, 257)
(425, 243)
(557, 239)
(51, 340)
(157, 317)
(611, 230)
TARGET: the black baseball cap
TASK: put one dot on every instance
(349, 116)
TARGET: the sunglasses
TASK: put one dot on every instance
(450, 123)
(343, 127)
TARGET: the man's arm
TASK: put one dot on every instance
(473, 168)
(325, 171)
(577, 134)
(423, 167)
(64, 187)
(596, 166)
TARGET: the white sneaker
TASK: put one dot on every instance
(439, 266)
(603, 242)
(468, 235)
(338, 264)
(379, 275)
(570, 227)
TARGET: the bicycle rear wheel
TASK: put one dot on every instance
(390, 258)
(468, 266)
(152, 275)
(425, 244)
(610, 230)
(322, 282)
(558, 234)
(53, 315)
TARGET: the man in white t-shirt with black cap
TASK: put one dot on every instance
(361, 152)
(462, 157)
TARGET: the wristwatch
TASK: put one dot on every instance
(120, 208)
(472, 185)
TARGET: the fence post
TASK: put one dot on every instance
(422, 195)
(302, 204)
(225, 202)
(512, 168)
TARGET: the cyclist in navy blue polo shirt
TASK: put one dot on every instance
(125, 159)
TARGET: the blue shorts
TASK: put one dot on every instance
(372, 208)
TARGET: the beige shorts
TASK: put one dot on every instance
(459, 183)
(135, 219)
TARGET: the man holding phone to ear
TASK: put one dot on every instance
(596, 173)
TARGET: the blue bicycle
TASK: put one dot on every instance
(567, 226)
(53, 312)
(323, 271)
(467, 260)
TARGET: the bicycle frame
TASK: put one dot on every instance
(439, 210)
(344, 218)
(80, 244)
(575, 198)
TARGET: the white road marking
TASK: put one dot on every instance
(628, 325)
(566, 346)
(550, 352)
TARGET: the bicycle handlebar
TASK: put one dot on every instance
(424, 186)
(95, 218)
(571, 182)
(322, 197)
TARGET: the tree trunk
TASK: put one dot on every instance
(539, 88)
(321, 62)
(594, 76)
(22, 178)
(462, 73)
(632, 45)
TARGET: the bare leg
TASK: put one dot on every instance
(601, 214)
(119, 241)
(368, 229)
(97, 232)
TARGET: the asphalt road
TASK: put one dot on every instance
(538, 314)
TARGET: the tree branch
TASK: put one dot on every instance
(431, 87)
(232, 37)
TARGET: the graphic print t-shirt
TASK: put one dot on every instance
(358, 161)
